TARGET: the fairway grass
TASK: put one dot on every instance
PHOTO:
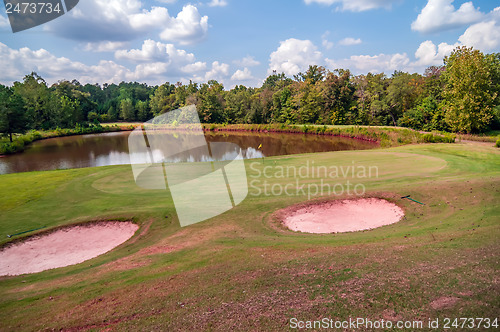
(243, 270)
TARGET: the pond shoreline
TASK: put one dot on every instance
(362, 138)
(112, 148)
(383, 136)
(19, 144)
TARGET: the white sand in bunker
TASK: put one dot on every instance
(64, 247)
(339, 216)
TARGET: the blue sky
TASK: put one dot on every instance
(242, 42)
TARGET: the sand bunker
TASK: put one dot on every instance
(64, 247)
(342, 216)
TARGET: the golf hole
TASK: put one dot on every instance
(64, 247)
(339, 216)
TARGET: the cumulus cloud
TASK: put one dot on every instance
(350, 41)
(440, 15)
(428, 54)
(187, 28)
(248, 61)
(242, 75)
(484, 36)
(17, 63)
(156, 51)
(293, 56)
(164, 62)
(105, 46)
(217, 3)
(124, 20)
(363, 64)
(194, 67)
(355, 5)
(218, 72)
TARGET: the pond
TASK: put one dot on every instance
(112, 149)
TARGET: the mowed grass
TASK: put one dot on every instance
(242, 271)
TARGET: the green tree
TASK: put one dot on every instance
(313, 74)
(402, 93)
(143, 113)
(212, 103)
(37, 98)
(338, 95)
(163, 99)
(309, 102)
(127, 110)
(469, 94)
(237, 105)
(376, 91)
(68, 112)
(112, 113)
(12, 112)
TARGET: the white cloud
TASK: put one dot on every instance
(124, 20)
(194, 67)
(355, 5)
(105, 46)
(350, 41)
(187, 28)
(156, 51)
(171, 65)
(248, 61)
(242, 75)
(17, 63)
(428, 55)
(217, 3)
(484, 36)
(218, 72)
(439, 15)
(363, 64)
(293, 56)
(156, 17)
(325, 42)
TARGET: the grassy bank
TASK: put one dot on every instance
(386, 136)
(241, 271)
(20, 142)
(490, 136)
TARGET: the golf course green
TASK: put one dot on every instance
(243, 270)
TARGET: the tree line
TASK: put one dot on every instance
(462, 95)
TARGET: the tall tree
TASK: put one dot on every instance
(12, 112)
(163, 99)
(469, 93)
(37, 98)
(127, 110)
(142, 110)
(338, 95)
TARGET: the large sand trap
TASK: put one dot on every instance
(64, 247)
(343, 216)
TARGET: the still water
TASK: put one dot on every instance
(112, 149)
